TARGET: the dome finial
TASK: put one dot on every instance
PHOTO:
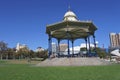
(69, 8)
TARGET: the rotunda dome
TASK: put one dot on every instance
(70, 16)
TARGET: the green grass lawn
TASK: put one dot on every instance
(30, 72)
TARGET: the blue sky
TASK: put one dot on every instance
(25, 21)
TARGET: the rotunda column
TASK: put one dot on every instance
(94, 43)
(50, 46)
(68, 48)
(89, 50)
(72, 47)
(86, 46)
(58, 48)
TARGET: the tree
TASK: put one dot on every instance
(10, 53)
(83, 49)
(23, 53)
(32, 54)
(101, 53)
(3, 48)
(42, 54)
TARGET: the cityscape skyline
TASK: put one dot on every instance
(25, 21)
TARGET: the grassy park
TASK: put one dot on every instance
(22, 70)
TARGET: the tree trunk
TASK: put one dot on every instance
(1, 57)
(13, 56)
(7, 57)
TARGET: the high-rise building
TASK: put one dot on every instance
(119, 38)
(39, 49)
(63, 47)
(115, 40)
(20, 46)
(54, 48)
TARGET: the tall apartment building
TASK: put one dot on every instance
(20, 46)
(54, 47)
(39, 49)
(115, 40)
(63, 47)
